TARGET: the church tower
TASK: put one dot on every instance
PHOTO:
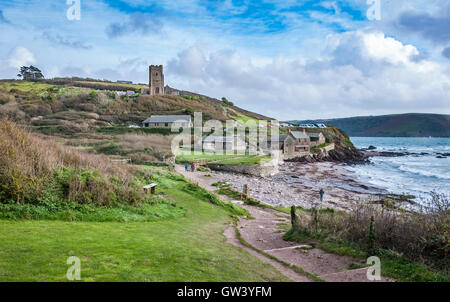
(156, 80)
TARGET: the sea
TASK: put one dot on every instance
(423, 171)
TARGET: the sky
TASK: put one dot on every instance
(289, 59)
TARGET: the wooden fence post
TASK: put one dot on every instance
(247, 191)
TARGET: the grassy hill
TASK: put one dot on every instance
(87, 114)
(89, 103)
(396, 125)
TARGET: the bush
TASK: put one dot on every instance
(422, 235)
(34, 171)
(5, 98)
(227, 102)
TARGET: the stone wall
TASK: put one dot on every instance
(255, 170)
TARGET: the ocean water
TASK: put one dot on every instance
(417, 174)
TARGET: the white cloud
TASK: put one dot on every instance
(20, 56)
(364, 73)
(382, 48)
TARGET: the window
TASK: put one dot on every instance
(167, 124)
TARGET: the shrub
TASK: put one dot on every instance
(34, 171)
(5, 98)
(422, 235)
(227, 102)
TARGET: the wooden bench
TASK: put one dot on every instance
(152, 188)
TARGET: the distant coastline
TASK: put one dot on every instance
(395, 125)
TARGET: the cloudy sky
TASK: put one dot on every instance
(288, 59)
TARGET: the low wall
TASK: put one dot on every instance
(255, 170)
(296, 155)
(328, 148)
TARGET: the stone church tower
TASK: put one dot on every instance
(156, 80)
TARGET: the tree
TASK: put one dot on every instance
(189, 111)
(28, 73)
(225, 101)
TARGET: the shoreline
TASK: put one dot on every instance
(299, 184)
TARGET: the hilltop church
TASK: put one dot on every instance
(156, 82)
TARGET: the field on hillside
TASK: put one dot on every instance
(190, 248)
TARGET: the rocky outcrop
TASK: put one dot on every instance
(349, 155)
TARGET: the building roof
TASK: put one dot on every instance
(299, 134)
(280, 138)
(168, 119)
(315, 134)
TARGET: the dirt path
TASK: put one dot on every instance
(263, 232)
(230, 234)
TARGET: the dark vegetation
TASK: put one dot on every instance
(226, 101)
(40, 179)
(412, 246)
(395, 125)
(30, 73)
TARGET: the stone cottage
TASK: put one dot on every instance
(316, 139)
(292, 145)
(296, 144)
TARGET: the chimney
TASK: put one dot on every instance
(304, 131)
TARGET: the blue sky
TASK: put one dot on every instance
(286, 59)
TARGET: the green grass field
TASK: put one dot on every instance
(25, 86)
(190, 156)
(188, 248)
(220, 159)
(135, 86)
(247, 160)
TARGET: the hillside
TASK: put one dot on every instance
(88, 115)
(82, 104)
(396, 125)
